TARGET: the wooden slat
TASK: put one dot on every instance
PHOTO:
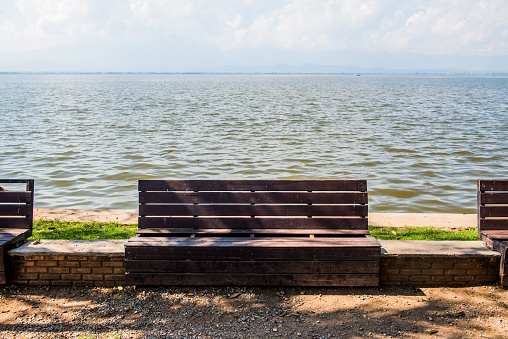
(253, 210)
(15, 223)
(253, 197)
(15, 197)
(243, 223)
(2, 265)
(258, 250)
(494, 198)
(252, 185)
(252, 267)
(3, 279)
(493, 185)
(232, 279)
(493, 211)
(497, 234)
(15, 210)
(248, 232)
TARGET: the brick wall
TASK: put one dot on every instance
(439, 270)
(66, 270)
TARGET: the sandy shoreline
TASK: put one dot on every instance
(127, 216)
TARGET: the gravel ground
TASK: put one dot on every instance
(129, 312)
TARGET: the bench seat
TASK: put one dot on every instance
(493, 220)
(237, 235)
(16, 219)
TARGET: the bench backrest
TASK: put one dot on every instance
(492, 205)
(16, 207)
(253, 204)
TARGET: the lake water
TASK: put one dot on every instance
(421, 141)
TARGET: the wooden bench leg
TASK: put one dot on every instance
(503, 270)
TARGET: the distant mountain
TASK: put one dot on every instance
(174, 55)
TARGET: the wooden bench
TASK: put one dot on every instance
(16, 218)
(253, 232)
(493, 219)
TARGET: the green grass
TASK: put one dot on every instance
(75, 230)
(423, 233)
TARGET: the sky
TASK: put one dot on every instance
(195, 35)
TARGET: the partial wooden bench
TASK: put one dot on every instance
(493, 219)
(253, 232)
(16, 218)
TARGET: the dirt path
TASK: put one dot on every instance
(472, 312)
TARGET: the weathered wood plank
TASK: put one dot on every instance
(248, 232)
(15, 223)
(295, 252)
(15, 210)
(494, 198)
(252, 185)
(497, 234)
(15, 197)
(493, 211)
(234, 279)
(253, 210)
(253, 197)
(252, 267)
(246, 223)
(493, 185)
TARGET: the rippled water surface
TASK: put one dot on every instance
(421, 141)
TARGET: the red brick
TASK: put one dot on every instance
(61, 283)
(463, 278)
(46, 263)
(37, 257)
(478, 272)
(62, 270)
(81, 270)
(68, 264)
(90, 264)
(28, 276)
(119, 271)
(104, 283)
(115, 277)
(102, 270)
(48, 276)
(56, 257)
(455, 272)
(433, 271)
(35, 270)
(441, 278)
(71, 276)
(28, 263)
(83, 283)
(113, 264)
(443, 264)
(93, 277)
(410, 272)
(38, 283)
(420, 278)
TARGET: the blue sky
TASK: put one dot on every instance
(186, 35)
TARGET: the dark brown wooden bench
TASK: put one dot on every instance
(253, 232)
(493, 219)
(16, 218)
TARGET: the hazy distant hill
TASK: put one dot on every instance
(184, 56)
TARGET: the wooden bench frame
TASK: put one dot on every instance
(16, 219)
(253, 232)
(493, 220)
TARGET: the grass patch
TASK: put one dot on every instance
(76, 230)
(423, 233)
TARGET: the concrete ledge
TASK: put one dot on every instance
(110, 248)
(403, 263)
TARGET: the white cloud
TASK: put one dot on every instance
(424, 26)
